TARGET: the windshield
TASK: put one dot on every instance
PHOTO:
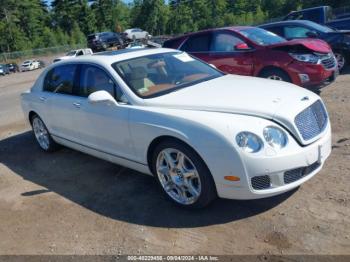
(154, 75)
(261, 36)
(71, 53)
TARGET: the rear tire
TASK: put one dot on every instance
(182, 175)
(42, 135)
(275, 74)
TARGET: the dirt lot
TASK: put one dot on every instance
(70, 203)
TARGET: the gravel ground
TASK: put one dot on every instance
(71, 203)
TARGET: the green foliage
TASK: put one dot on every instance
(28, 24)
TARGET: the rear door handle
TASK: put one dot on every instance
(76, 104)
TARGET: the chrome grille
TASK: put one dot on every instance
(293, 175)
(328, 61)
(261, 182)
(311, 121)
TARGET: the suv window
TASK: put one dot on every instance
(60, 79)
(197, 43)
(278, 30)
(225, 42)
(295, 32)
(94, 79)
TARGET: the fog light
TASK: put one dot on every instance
(304, 78)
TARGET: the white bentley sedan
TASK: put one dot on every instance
(201, 133)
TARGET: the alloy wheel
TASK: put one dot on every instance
(275, 77)
(41, 133)
(340, 60)
(178, 176)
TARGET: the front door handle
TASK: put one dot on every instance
(42, 98)
(76, 104)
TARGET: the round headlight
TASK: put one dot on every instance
(275, 137)
(249, 142)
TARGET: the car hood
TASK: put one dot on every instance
(315, 45)
(65, 57)
(270, 99)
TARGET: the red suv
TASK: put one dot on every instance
(254, 51)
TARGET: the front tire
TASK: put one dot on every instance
(341, 60)
(276, 74)
(182, 175)
(42, 135)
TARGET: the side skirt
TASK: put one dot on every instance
(140, 167)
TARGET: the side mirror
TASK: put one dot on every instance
(241, 47)
(102, 96)
(312, 34)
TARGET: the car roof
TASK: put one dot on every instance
(231, 28)
(110, 57)
(287, 22)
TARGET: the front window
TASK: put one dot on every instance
(291, 32)
(225, 42)
(261, 36)
(154, 75)
(94, 79)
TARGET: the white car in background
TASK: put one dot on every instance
(136, 34)
(30, 65)
(74, 53)
(201, 133)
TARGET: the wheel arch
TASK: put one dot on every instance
(272, 67)
(31, 114)
(156, 141)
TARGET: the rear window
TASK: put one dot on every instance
(173, 43)
(197, 43)
(60, 79)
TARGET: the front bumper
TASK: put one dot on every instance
(277, 166)
(319, 77)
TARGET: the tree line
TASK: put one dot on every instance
(31, 24)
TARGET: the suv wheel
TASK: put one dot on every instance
(275, 74)
(341, 60)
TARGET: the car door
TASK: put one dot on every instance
(198, 45)
(102, 126)
(139, 34)
(230, 53)
(60, 102)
